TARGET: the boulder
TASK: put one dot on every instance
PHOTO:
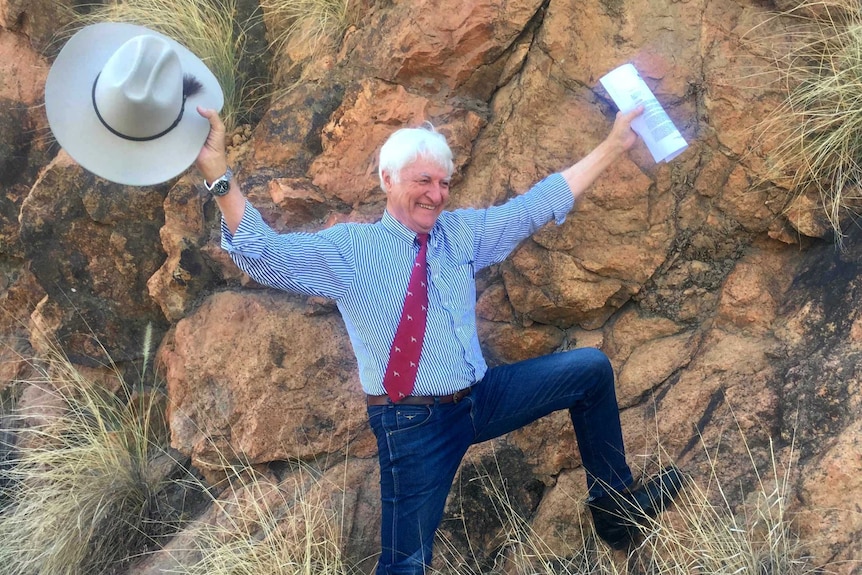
(92, 245)
(259, 376)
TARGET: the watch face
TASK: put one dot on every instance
(221, 187)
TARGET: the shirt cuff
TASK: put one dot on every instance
(558, 197)
(251, 236)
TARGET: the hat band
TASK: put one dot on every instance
(135, 138)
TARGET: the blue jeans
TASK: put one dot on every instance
(421, 446)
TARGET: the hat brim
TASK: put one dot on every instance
(69, 107)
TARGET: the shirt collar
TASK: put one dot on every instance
(401, 231)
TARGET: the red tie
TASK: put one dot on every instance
(407, 346)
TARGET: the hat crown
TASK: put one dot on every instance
(121, 100)
(139, 91)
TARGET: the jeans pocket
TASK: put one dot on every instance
(375, 412)
(386, 420)
(407, 417)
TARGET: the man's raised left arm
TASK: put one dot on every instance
(581, 175)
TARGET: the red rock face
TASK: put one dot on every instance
(723, 316)
(270, 378)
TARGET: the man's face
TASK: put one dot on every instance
(419, 196)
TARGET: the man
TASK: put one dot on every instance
(429, 392)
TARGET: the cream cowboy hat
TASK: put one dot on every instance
(121, 101)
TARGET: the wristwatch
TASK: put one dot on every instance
(221, 186)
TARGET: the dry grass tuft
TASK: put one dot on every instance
(78, 490)
(522, 550)
(265, 526)
(300, 32)
(817, 130)
(311, 22)
(704, 533)
(209, 28)
(215, 32)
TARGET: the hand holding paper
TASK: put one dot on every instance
(654, 126)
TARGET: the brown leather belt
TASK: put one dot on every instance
(419, 399)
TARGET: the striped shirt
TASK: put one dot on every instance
(365, 268)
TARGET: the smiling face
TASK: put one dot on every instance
(419, 195)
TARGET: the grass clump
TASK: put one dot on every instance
(262, 525)
(312, 22)
(211, 29)
(300, 31)
(703, 533)
(817, 130)
(706, 534)
(79, 493)
(230, 39)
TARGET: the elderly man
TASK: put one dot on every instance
(405, 287)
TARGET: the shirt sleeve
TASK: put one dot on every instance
(320, 264)
(498, 230)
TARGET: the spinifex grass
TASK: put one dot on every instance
(704, 533)
(209, 28)
(265, 526)
(817, 130)
(523, 551)
(79, 494)
(309, 21)
(300, 32)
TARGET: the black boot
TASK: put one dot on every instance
(616, 516)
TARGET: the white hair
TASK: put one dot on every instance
(407, 144)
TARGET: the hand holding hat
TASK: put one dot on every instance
(121, 100)
(212, 159)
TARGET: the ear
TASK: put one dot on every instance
(386, 180)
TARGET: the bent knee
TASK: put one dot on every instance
(599, 364)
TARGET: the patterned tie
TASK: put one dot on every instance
(407, 346)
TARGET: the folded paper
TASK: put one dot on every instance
(628, 90)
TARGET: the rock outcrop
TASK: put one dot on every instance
(732, 323)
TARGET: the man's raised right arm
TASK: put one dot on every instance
(212, 164)
(308, 263)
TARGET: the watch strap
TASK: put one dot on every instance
(221, 185)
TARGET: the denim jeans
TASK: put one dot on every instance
(421, 446)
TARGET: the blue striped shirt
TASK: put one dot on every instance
(365, 268)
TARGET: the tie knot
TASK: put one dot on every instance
(422, 239)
